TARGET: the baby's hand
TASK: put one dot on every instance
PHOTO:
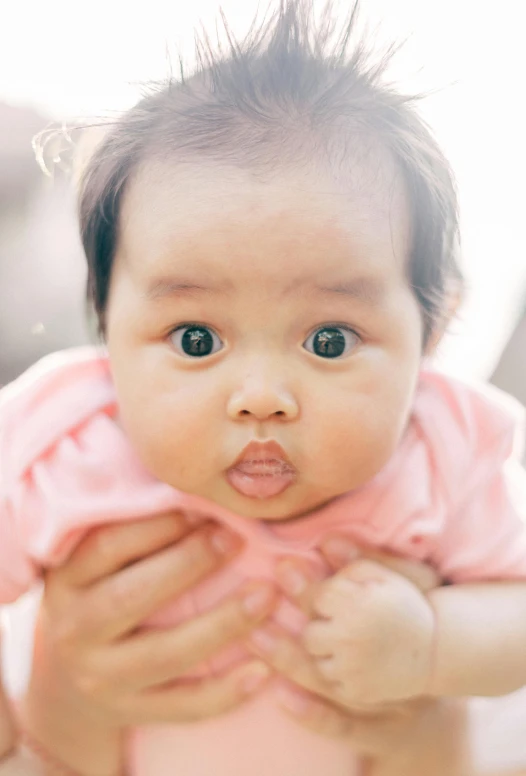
(371, 635)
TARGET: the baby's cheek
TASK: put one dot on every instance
(360, 432)
(173, 443)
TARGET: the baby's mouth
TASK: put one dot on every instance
(262, 471)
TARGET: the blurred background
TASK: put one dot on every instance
(71, 62)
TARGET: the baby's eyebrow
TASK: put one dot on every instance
(163, 288)
(368, 290)
(364, 289)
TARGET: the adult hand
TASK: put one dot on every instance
(96, 670)
(7, 732)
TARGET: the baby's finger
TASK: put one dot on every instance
(349, 586)
(339, 552)
(425, 578)
(193, 701)
(420, 575)
(286, 656)
(109, 548)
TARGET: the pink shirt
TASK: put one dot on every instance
(452, 495)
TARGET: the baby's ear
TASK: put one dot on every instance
(454, 297)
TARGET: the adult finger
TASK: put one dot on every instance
(120, 603)
(339, 551)
(315, 713)
(107, 549)
(287, 657)
(299, 581)
(160, 656)
(193, 701)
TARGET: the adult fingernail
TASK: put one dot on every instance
(224, 542)
(292, 580)
(294, 702)
(257, 600)
(264, 641)
(255, 677)
(340, 549)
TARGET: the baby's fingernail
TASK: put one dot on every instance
(255, 677)
(224, 542)
(340, 549)
(292, 580)
(294, 702)
(257, 601)
(264, 641)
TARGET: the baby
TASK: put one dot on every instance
(271, 257)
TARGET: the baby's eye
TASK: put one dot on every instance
(331, 341)
(195, 341)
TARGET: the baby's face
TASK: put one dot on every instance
(244, 312)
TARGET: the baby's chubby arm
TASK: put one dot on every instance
(376, 638)
(480, 639)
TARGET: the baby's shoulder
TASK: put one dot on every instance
(467, 423)
(49, 400)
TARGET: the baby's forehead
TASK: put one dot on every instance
(363, 177)
(223, 220)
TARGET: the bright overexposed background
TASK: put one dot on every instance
(73, 59)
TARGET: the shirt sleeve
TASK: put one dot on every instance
(36, 410)
(65, 466)
(17, 571)
(484, 537)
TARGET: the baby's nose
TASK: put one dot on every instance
(263, 401)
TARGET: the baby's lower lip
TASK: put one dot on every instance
(261, 479)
